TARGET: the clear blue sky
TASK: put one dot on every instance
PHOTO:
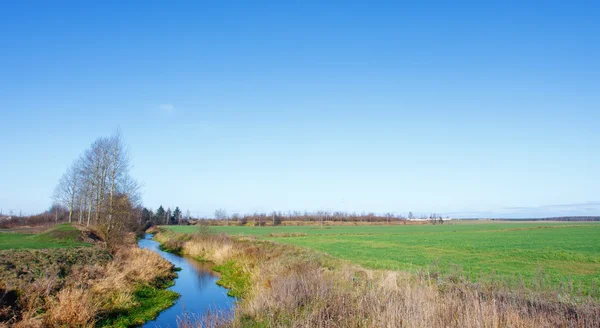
(463, 108)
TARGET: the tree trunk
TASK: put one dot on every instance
(81, 210)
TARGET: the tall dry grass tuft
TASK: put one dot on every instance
(134, 265)
(321, 298)
(211, 319)
(130, 266)
(292, 287)
(217, 248)
(72, 307)
(33, 297)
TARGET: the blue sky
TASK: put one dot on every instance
(470, 108)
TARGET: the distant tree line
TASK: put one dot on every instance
(559, 218)
(55, 214)
(318, 217)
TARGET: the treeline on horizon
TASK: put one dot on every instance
(558, 218)
(147, 217)
(162, 217)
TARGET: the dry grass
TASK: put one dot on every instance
(72, 307)
(322, 298)
(88, 291)
(217, 248)
(292, 287)
(21, 268)
(33, 297)
(132, 265)
(112, 285)
(208, 320)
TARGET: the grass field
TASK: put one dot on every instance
(60, 236)
(545, 255)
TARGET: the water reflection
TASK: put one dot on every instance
(196, 284)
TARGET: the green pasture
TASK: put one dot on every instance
(59, 236)
(547, 255)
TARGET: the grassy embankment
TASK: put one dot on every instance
(232, 274)
(60, 236)
(66, 277)
(542, 255)
(285, 285)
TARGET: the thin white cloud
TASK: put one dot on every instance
(166, 109)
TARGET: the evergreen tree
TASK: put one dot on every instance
(176, 215)
(147, 216)
(159, 218)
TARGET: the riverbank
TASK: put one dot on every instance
(284, 285)
(196, 285)
(89, 286)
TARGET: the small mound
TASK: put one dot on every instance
(70, 235)
(65, 235)
(65, 231)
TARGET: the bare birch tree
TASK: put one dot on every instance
(65, 192)
(100, 185)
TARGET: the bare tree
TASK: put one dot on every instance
(389, 217)
(94, 172)
(90, 171)
(221, 214)
(118, 167)
(65, 192)
(99, 184)
(236, 217)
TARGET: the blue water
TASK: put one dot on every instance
(196, 283)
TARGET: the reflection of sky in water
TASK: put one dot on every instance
(196, 283)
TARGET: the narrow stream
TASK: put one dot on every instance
(196, 283)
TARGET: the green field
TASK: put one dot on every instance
(546, 255)
(60, 236)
